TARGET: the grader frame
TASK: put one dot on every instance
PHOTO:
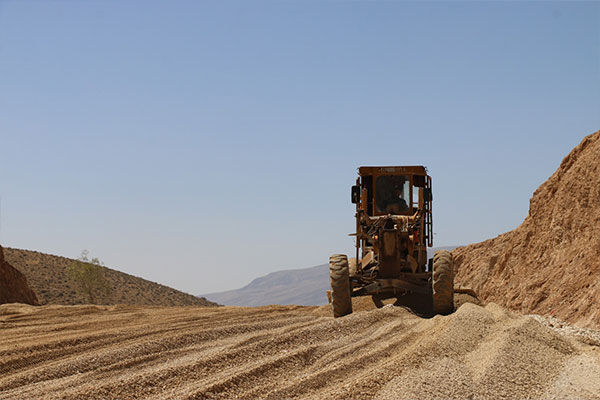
(394, 227)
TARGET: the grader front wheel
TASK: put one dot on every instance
(443, 282)
(341, 301)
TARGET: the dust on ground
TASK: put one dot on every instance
(277, 352)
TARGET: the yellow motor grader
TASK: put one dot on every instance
(394, 227)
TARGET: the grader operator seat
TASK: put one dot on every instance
(392, 195)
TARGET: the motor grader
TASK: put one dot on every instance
(394, 227)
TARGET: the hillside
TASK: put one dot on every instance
(305, 286)
(47, 277)
(550, 264)
(291, 352)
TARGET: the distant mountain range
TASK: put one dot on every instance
(305, 286)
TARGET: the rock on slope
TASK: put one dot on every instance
(550, 264)
(13, 285)
(47, 276)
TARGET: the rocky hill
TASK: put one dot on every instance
(13, 285)
(47, 276)
(305, 286)
(550, 264)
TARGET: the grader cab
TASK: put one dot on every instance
(394, 227)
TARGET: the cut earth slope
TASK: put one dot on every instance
(13, 285)
(550, 264)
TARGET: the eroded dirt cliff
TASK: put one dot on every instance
(13, 285)
(550, 264)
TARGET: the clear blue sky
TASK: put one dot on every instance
(202, 144)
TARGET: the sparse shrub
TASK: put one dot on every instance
(88, 274)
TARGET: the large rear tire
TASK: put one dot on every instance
(443, 282)
(341, 301)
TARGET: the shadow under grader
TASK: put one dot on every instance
(422, 306)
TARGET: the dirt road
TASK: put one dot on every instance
(279, 352)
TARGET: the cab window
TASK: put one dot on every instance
(392, 194)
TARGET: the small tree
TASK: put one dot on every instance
(88, 274)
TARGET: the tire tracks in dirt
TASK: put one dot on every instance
(276, 352)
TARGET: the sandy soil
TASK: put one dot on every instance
(279, 352)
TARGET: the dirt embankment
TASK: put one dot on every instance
(278, 352)
(13, 285)
(47, 275)
(550, 264)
